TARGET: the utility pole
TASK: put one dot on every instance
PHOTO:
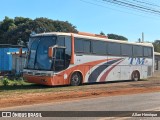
(142, 37)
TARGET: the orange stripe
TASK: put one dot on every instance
(59, 79)
(72, 50)
(83, 68)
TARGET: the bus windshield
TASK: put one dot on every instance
(38, 47)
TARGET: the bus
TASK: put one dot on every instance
(58, 58)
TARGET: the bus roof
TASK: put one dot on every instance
(96, 37)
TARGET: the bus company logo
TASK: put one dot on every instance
(137, 61)
(6, 114)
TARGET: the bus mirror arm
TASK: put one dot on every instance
(51, 50)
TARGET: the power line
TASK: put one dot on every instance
(147, 3)
(124, 6)
(141, 3)
(100, 5)
(134, 6)
(142, 7)
(130, 7)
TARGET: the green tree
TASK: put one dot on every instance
(102, 33)
(117, 37)
(7, 24)
(156, 45)
(17, 31)
(20, 20)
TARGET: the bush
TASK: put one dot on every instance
(5, 81)
(12, 82)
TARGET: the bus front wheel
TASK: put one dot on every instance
(135, 76)
(76, 79)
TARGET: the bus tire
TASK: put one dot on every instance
(76, 79)
(135, 76)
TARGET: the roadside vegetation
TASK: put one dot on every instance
(18, 88)
(8, 82)
(17, 30)
(18, 92)
(13, 87)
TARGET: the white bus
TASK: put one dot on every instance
(75, 58)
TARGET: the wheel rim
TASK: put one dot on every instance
(75, 79)
(135, 76)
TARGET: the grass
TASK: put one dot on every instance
(19, 87)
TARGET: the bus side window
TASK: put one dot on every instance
(137, 51)
(114, 48)
(126, 50)
(147, 52)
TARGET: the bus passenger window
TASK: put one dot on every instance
(113, 48)
(126, 50)
(137, 51)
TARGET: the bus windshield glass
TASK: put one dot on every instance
(38, 47)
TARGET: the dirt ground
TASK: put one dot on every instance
(85, 91)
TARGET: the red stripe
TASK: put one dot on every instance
(102, 79)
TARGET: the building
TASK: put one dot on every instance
(157, 61)
(6, 57)
(18, 62)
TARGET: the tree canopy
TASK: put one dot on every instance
(114, 36)
(156, 45)
(117, 37)
(102, 33)
(17, 31)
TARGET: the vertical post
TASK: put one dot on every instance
(142, 37)
(72, 49)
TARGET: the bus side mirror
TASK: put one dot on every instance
(50, 52)
(20, 52)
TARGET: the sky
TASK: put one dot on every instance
(91, 16)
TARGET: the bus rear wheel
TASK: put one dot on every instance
(76, 79)
(135, 76)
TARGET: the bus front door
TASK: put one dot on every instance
(59, 65)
